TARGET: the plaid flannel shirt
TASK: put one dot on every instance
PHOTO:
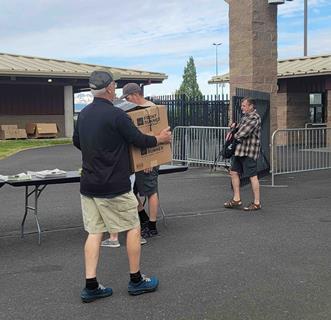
(248, 134)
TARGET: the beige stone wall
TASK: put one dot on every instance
(264, 37)
(253, 49)
(241, 45)
(281, 111)
(292, 112)
(280, 118)
(297, 110)
(22, 120)
(253, 45)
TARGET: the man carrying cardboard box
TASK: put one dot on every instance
(147, 180)
(103, 134)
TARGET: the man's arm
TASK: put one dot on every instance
(164, 136)
(246, 128)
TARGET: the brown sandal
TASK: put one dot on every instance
(232, 204)
(252, 207)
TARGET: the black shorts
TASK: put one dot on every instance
(147, 183)
(245, 166)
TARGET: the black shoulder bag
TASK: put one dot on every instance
(230, 144)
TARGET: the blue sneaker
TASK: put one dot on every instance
(144, 286)
(98, 293)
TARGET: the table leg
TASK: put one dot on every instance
(36, 192)
(26, 209)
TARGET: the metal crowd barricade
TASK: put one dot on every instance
(299, 150)
(179, 144)
(315, 125)
(197, 145)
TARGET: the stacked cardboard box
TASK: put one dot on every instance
(150, 121)
(10, 131)
(42, 130)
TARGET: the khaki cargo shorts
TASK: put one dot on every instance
(113, 215)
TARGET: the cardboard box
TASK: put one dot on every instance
(7, 134)
(41, 130)
(5, 127)
(150, 121)
(10, 131)
(13, 134)
(21, 134)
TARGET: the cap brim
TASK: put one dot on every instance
(123, 96)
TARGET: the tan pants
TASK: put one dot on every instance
(113, 215)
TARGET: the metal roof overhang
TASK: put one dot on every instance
(18, 69)
(302, 67)
(79, 82)
(302, 75)
(225, 77)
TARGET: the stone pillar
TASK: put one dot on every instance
(253, 49)
(68, 111)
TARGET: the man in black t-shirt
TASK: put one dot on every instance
(104, 133)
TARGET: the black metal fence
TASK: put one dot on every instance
(208, 111)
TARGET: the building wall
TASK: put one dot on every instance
(328, 101)
(23, 103)
(30, 99)
(297, 109)
(328, 115)
(281, 110)
(292, 110)
(293, 99)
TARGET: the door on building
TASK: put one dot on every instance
(316, 108)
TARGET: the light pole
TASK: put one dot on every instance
(305, 22)
(305, 28)
(216, 46)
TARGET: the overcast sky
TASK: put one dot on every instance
(151, 35)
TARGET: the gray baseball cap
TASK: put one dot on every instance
(130, 88)
(100, 79)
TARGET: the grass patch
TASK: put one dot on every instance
(10, 147)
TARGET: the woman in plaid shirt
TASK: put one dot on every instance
(244, 162)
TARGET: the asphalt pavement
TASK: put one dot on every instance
(213, 263)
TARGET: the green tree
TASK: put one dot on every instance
(190, 86)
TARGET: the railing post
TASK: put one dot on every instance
(273, 158)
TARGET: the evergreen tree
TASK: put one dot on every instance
(189, 86)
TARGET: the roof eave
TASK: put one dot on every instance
(85, 75)
(303, 75)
